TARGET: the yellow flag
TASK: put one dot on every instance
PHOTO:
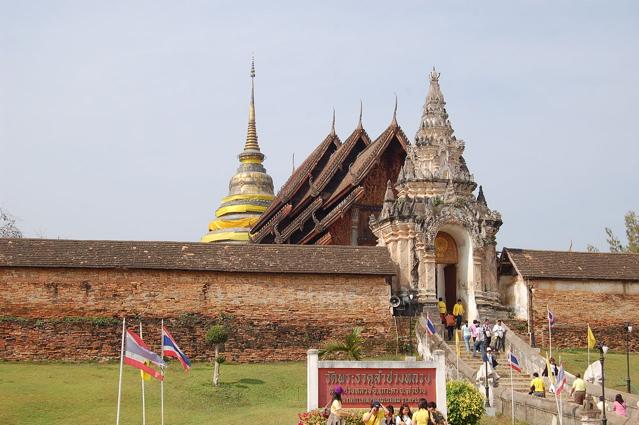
(592, 342)
(551, 376)
(457, 345)
(145, 376)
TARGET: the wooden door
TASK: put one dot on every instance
(450, 285)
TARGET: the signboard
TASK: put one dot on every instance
(389, 385)
(391, 382)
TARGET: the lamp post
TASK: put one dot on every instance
(486, 380)
(602, 352)
(411, 311)
(531, 319)
(628, 329)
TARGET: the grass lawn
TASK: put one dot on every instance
(615, 366)
(86, 393)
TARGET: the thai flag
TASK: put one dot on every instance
(171, 349)
(136, 353)
(430, 327)
(513, 361)
(551, 318)
(561, 380)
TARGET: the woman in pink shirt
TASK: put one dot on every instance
(619, 406)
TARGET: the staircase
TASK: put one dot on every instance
(520, 382)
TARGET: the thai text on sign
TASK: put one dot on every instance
(390, 386)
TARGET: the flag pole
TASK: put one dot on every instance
(142, 380)
(588, 343)
(549, 330)
(117, 417)
(162, 381)
(512, 388)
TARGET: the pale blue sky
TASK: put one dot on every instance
(123, 119)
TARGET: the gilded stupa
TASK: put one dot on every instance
(250, 189)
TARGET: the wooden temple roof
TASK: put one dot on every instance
(325, 186)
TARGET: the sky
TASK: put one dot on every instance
(123, 120)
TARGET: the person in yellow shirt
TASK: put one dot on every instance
(441, 306)
(578, 390)
(375, 416)
(458, 312)
(422, 416)
(537, 387)
(335, 418)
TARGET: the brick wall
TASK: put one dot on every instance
(72, 314)
(607, 314)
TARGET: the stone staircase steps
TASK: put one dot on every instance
(520, 381)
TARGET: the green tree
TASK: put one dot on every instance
(632, 235)
(215, 337)
(351, 346)
(465, 403)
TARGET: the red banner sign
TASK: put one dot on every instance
(388, 385)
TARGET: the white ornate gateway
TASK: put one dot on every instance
(440, 234)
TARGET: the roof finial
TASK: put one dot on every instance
(333, 124)
(434, 75)
(251, 135)
(394, 121)
(359, 123)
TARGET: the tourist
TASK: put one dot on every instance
(450, 325)
(553, 367)
(458, 312)
(498, 333)
(422, 416)
(537, 386)
(436, 416)
(619, 406)
(441, 306)
(391, 418)
(554, 370)
(335, 418)
(486, 330)
(465, 329)
(405, 416)
(478, 337)
(492, 362)
(376, 415)
(578, 390)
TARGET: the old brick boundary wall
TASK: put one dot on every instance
(72, 314)
(607, 314)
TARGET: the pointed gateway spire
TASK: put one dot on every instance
(481, 199)
(389, 196)
(434, 123)
(361, 108)
(251, 147)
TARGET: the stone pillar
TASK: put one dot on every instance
(440, 281)
(439, 358)
(427, 270)
(312, 379)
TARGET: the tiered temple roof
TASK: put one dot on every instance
(330, 196)
(250, 189)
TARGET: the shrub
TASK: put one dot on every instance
(314, 417)
(217, 334)
(465, 403)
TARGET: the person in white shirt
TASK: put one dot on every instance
(498, 334)
(405, 415)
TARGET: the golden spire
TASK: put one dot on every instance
(251, 135)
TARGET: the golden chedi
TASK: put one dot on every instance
(250, 190)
